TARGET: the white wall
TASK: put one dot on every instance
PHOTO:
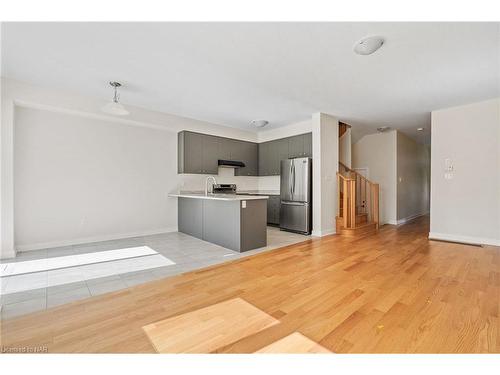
(377, 152)
(78, 178)
(466, 208)
(413, 170)
(345, 146)
(50, 125)
(325, 136)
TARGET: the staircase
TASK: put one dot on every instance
(358, 204)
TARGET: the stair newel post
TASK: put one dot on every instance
(353, 203)
(338, 195)
(345, 210)
(375, 208)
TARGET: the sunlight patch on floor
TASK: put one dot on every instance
(44, 273)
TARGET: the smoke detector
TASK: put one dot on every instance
(368, 45)
(383, 128)
(259, 123)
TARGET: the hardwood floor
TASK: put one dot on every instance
(294, 343)
(391, 292)
(209, 328)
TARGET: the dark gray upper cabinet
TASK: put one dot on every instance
(282, 149)
(190, 154)
(248, 153)
(264, 159)
(236, 149)
(308, 145)
(300, 146)
(295, 146)
(281, 152)
(270, 155)
(224, 149)
(210, 152)
(199, 153)
(273, 158)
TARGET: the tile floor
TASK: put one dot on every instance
(29, 292)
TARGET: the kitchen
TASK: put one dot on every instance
(243, 216)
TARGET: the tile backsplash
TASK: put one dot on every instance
(226, 176)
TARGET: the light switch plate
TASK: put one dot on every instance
(448, 169)
(243, 204)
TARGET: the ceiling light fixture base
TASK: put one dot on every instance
(114, 107)
(368, 45)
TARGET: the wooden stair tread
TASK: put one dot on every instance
(361, 225)
(365, 224)
(360, 229)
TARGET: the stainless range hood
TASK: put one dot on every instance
(231, 164)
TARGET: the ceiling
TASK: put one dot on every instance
(232, 73)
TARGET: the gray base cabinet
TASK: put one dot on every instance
(225, 223)
(273, 210)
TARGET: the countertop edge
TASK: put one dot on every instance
(225, 198)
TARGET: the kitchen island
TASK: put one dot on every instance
(236, 222)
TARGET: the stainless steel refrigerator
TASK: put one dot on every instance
(295, 194)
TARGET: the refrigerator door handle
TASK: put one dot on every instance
(290, 179)
(293, 203)
(293, 179)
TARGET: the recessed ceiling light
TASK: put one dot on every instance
(420, 129)
(383, 128)
(259, 123)
(368, 45)
(113, 107)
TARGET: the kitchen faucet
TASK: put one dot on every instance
(206, 184)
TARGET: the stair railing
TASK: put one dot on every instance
(356, 196)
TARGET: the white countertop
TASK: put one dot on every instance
(220, 197)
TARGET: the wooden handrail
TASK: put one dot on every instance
(344, 177)
(356, 173)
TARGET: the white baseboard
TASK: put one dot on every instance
(409, 218)
(463, 239)
(322, 233)
(79, 241)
